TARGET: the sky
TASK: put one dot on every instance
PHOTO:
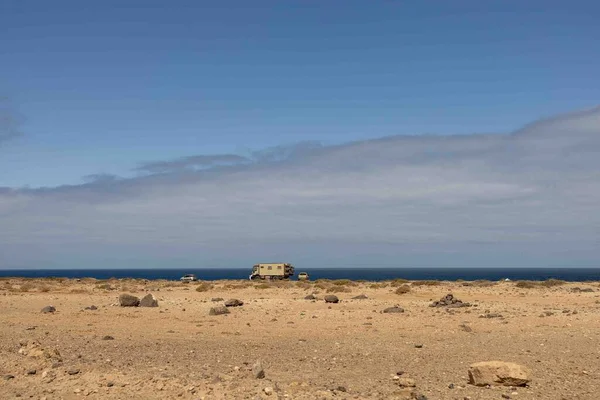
(339, 133)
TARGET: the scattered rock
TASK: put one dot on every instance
(268, 390)
(48, 309)
(418, 346)
(108, 337)
(449, 301)
(466, 328)
(127, 300)
(219, 310)
(258, 371)
(405, 382)
(360, 297)
(216, 299)
(149, 301)
(31, 372)
(34, 349)
(491, 315)
(498, 373)
(93, 308)
(582, 290)
(73, 371)
(310, 297)
(234, 303)
(8, 377)
(331, 298)
(394, 309)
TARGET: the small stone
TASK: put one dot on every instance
(258, 371)
(108, 337)
(93, 308)
(451, 386)
(392, 310)
(234, 303)
(219, 310)
(341, 389)
(505, 396)
(268, 390)
(73, 371)
(48, 309)
(110, 384)
(8, 377)
(310, 297)
(360, 297)
(216, 299)
(418, 346)
(31, 372)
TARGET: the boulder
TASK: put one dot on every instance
(219, 310)
(395, 309)
(127, 300)
(48, 309)
(310, 297)
(498, 373)
(234, 303)
(149, 301)
(331, 298)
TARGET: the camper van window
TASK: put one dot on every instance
(270, 267)
(279, 267)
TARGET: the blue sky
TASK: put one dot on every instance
(167, 100)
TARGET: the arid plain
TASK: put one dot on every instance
(90, 347)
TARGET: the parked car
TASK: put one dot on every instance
(303, 276)
(188, 278)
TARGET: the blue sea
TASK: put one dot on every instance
(368, 274)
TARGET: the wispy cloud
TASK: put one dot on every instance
(528, 198)
(9, 120)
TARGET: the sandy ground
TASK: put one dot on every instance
(309, 349)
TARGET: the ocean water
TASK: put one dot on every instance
(369, 274)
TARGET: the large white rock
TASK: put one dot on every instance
(498, 373)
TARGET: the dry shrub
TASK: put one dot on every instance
(552, 282)
(235, 286)
(526, 284)
(403, 289)
(44, 289)
(78, 291)
(378, 285)
(204, 287)
(26, 287)
(321, 285)
(338, 289)
(263, 286)
(398, 282)
(426, 283)
(483, 283)
(343, 282)
(104, 286)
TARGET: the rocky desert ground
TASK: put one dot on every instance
(286, 342)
